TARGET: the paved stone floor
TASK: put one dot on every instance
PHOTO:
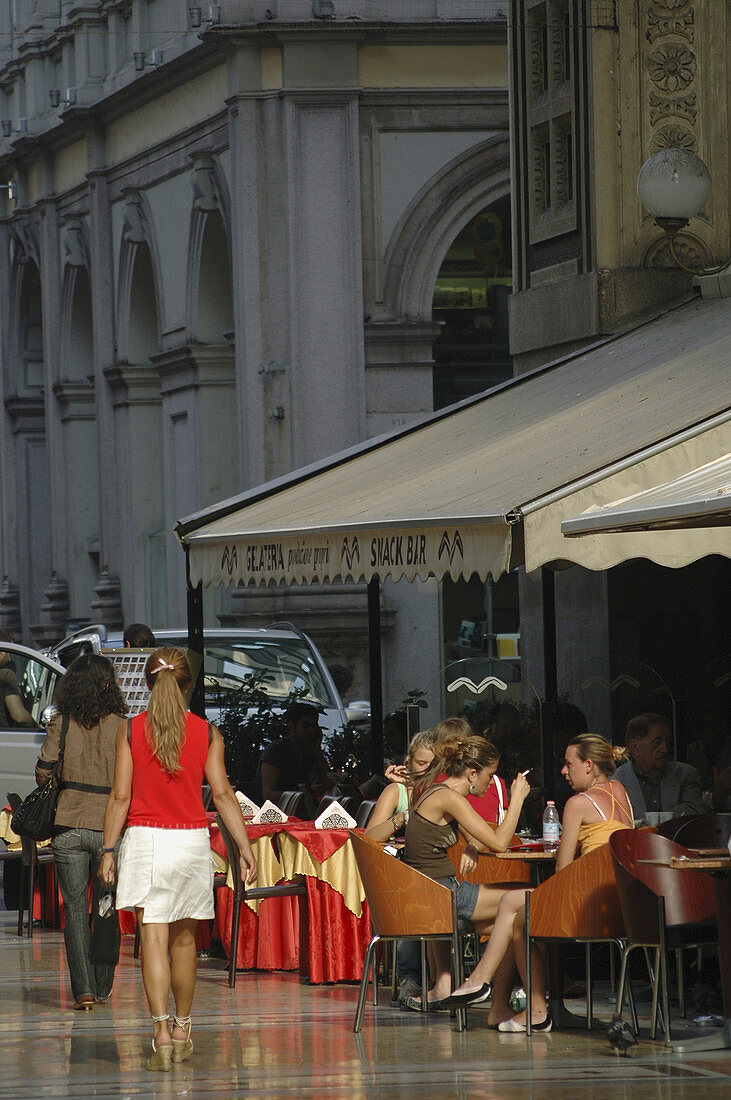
(272, 1037)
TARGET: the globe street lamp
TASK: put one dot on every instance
(674, 185)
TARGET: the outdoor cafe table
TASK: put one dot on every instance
(338, 918)
(540, 863)
(720, 868)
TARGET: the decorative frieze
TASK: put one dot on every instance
(672, 72)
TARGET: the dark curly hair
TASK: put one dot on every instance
(89, 691)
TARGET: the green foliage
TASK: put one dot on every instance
(249, 720)
(348, 752)
(415, 698)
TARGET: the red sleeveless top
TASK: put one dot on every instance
(160, 800)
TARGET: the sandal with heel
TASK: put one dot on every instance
(161, 1058)
(182, 1048)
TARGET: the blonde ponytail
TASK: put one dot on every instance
(168, 675)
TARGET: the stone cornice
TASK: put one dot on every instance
(76, 399)
(27, 412)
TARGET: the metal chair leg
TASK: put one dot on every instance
(528, 970)
(236, 915)
(619, 999)
(680, 978)
(589, 990)
(363, 991)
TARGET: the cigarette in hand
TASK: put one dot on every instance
(525, 772)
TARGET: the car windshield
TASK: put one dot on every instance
(289, 664)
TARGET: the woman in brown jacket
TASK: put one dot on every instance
(89, 695)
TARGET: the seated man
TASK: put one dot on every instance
(652, 780)
(12, 710)
(296, 758)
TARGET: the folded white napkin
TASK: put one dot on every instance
(248, 808)
(268, 814)
(335, 817)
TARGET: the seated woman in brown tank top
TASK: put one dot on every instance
(588, 821)
(439, 811)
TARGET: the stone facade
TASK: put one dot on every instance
(597, 88)
(220, 243)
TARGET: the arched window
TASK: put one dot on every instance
(471, 300)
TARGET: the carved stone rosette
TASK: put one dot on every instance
(672, 70)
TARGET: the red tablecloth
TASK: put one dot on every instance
(338, 938)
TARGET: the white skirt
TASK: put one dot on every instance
(166, 872)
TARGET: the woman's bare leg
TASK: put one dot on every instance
(502, 987)
(183, 964)
(538, 973)
(503, 905)
(154, 939)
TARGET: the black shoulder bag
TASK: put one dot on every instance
(36, 814)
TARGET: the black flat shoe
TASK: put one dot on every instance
(469, 997)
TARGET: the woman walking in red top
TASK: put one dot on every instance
(165, 870)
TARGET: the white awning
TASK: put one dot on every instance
(701, 498)
(446, 496)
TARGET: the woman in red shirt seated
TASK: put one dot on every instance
(165, 869)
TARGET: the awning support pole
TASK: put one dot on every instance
(195, 638)
(550, 673)
(376, 674)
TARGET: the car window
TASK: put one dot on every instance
(290, 664)
(37, 683)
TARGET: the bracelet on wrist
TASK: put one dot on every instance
(107, 850)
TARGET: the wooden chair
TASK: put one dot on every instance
(243, 893)
(579, 903)
(663, 908)
(364, 813)
(708, 831)
(404, 905)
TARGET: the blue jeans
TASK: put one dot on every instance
(77, 853)
(408, 960)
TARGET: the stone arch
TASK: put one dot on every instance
(28, 341)
(209, 314)
(77, 331)
(210, 304)
(140, 307)
(432, 220)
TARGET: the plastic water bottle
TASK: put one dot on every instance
(551, 828)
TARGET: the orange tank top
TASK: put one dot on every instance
(592, 834)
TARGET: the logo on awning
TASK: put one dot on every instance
(229, 559)
(350, 552)
(451, 546)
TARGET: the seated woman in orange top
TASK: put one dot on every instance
(588, 822)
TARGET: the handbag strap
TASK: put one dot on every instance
(61, 746)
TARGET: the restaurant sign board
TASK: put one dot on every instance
(318, 557)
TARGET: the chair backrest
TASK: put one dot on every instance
(689, 895)
(708, 831)
(364, 813)
(402, 901)
(289, 802)
(232, 854)
(581, 901)
(672, 827)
